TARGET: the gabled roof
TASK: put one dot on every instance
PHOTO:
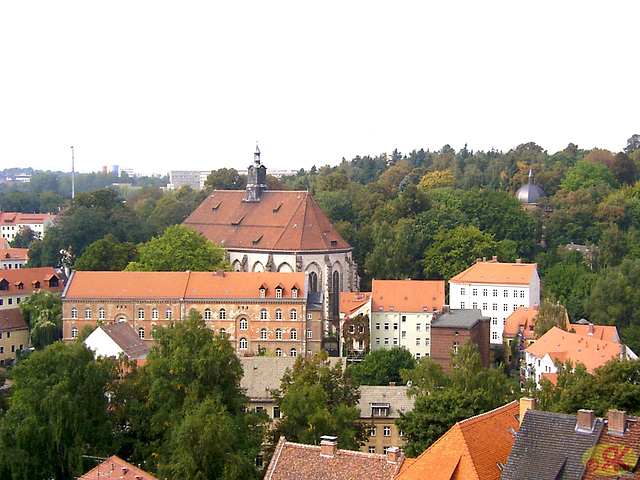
(115, 468)
(563, 346)
(608, 333)
(126, 338)
(29, 277)
(522, 318)
(471, 449)
(24, 218)
(304, 462)
(11, 320)
(14, 254)
(281, 220)
(498, 273)
(352, 303)
(395, 397)
(407, 295)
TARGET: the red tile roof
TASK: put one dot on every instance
(470, 450)
(498, 273)
(29, 278)
(608, 333)
(281, 220)
(13, 218)
(11, 320)
(14, 253)
(407, 295)
(115, 468)
(353, 301)
(521, 317)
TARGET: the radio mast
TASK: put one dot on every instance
(73, 184)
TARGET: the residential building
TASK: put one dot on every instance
(519, 326)
(558, 345)
(497, 289)
(10, 223)
(12, 258)
(355, 316)
(310, 462)
(258, 312)
(17, 285)
(192, 178)
(473, 449)
(14, 335)
(116, 339)
(380, 407)
(401, 314)
(451, 329)
(114, 468)
(278, 231)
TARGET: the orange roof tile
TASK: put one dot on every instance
(352, 301)
(471, 449)
(29, 278)
(11, 319)
(281, 220)
(522, 317)
(497, 273)
(14, 254)
(115, 468)
(608, 333)
(407, 295)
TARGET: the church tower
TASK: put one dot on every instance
(256, 179)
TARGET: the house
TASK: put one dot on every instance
(380, 407)
(115, 339)
(11, 223)
(324, 462)
(278, 231)
(453, 328)
(14, 335)
(473, 449)
(12, 258)
(496, 288)
(17, 285)
(558, 345)
(401, 313)
(114, 468)
(261, 312)
(355, 315)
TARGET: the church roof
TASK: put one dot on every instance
(530, 194)
(279, 221)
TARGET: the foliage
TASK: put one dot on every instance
(180, 248)
(550, 315)
(437, 179)
(381, 367)
(42, 312)
(23, 238)
(585, 174)
(225, 179)
(107, 254)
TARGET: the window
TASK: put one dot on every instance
(309, 316)
(352, 329)
(456, 346)
(372, 432)
(278, 293)
(360, 328)
(386, 341)
(521, 293)
(154, 314)
(243, 324)
(294, 293)
(395, 341)
(207, 314)
(463, 305)
(385, 449)
(386, 431)
(262, 293)
(294, 352)
(74, 312)
(223, 314)
(515, 293)
(293, 314)
(309, 333)
(417, 342)
(141, 313)
(18, 300)
(474, 305)
(141, 332)
(2, 351)
(494, 320)
(276, 412)
(377, 326)
(294, 334)
(278, 314)
(495, 292)
(505, 308)
(484, 292)
(243, 343)
(168, 314)
(10, 301)
(13, 348)
(404, 334)
(87, 313)
(400, 433)
(263, 334)
(506, 293)
(377, 341)
(223, 333)
(494, 335)
(474, 292)
(74, 332)
(263, 314)
(427, 341)
(495, 306)
(485, 306)
(386, 326)
(278, 352)
(372, 449)
(463, 291)
(515, 307)
(404, 318)
(395, 326)
(278, 334)
(418, 326)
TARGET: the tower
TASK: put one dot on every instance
(256, 178)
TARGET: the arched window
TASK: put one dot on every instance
(294, 334)
(263, 334)
(154, 314)
(141, 313)
(263, 314)
(244, 344)
(278, 334)
(141, 332)
(294, 352)
(74, 312)
(102, 313)
(207, 314)
(278, 292)
(243, 324)
(293, 314)
(87, 313)
(278, 314)
(223, 314)
(74, 332)
(335, 294)
(223, 333)
(294, 293)
(168, 314)
(313, 282)
(278, 352)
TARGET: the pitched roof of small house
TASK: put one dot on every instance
(280, 220)
(31, 279)
(306, 462)
(499, 273)
(14, 254)
(410, 296)
(126, 338)
(394, 399)
(11, 319)
(352, 302)
(471, 449)
(114, 468)
(522, 318)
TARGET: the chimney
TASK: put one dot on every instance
(494, 258)
(623, 352)
(392, 384)
(585, 421)
(484, 259)
(526, 403)
(328, 446)
(220, 274)
(617, 422)
(518, 260)
(446, 309)
(393, 455)
(590, 329)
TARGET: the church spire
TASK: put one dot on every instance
(256, 178)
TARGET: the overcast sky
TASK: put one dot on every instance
(192, 85)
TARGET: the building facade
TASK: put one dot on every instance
(14, 335)
(11, 223)
(17, 285)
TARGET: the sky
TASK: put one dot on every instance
(193, 85)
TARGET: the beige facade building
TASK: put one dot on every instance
(14, 335)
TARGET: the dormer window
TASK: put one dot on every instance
(263, 292)
(380, 409)
(278, 292)
(294, 292)
(20, 286)
(36, 285)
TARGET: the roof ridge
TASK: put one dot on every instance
(488, 413)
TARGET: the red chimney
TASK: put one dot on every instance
(328, 446)
(617, 422)
(393, 454)
(585, 421)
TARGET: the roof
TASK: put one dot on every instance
(608, 333)
(29, 278)
(395, 397)
(458, 318)
(548, 446)
(280, 220)
(530, 193)
(14, 254)
(183, 285)
(126, 338)
(521, 318)
(11, 320)
(351, 302)
(407, 295)
(471, 449)
(115, 468)
(24, 218)
(304, 462)
(498, 273)
(563, 346)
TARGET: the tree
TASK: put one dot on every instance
(180, 248)
(23, 237)
(59, 412)
(437, 179)
(381, 367)
(225, 179)
(107, 254)
(317, 399)
(550, 315)
(42, 312)
(587, 174)
(633, 144)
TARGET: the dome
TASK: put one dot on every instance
(530, 194)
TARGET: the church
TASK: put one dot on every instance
(279, 231)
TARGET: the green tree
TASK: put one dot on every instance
(42, 312)
(180, 248)
(381, 367)
(59, 412)
(225, 179)
(585, 174)
(550, 315)
(107, 254)
(23, 238)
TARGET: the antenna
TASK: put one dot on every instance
(73, 184)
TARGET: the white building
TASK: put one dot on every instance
(115, 339)
(497, 289)
(11, 223)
